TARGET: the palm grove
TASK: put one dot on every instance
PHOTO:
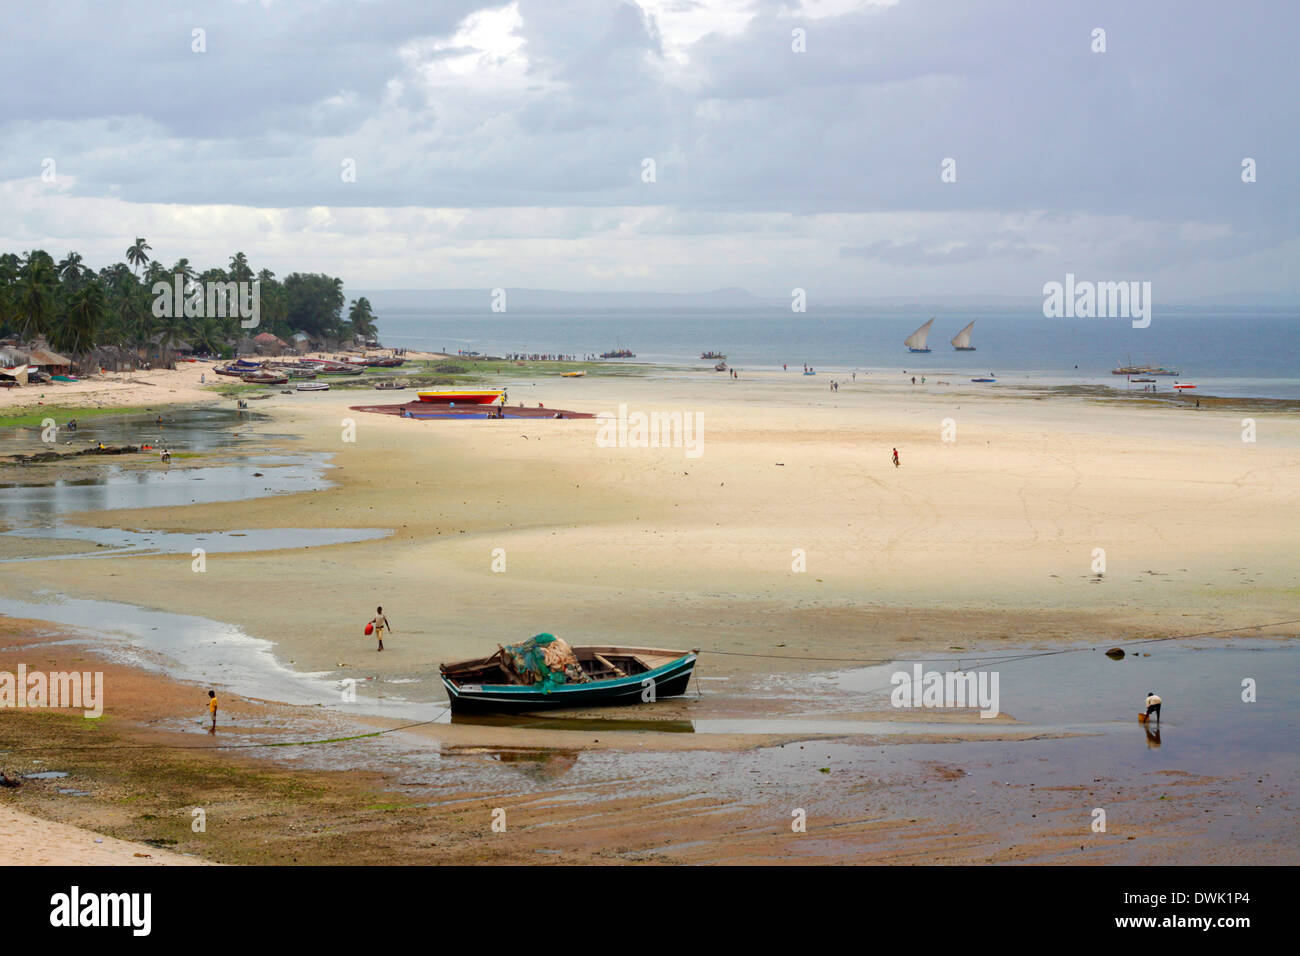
(77, 310)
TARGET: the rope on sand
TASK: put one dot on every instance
(274, 743)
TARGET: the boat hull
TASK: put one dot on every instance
(670, 680)
(461, 396)
(963, 348)
(918, 350)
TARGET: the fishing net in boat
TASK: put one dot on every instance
(545, 660)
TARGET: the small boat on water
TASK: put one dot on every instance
(916, 341)
(1144, 370)
(1183, 385)
(713, 355)
(618, 353)
(312, 387)
(544, 672)
(462, 396)
(961, 341)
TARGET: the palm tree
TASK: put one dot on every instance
(84, 315)
(138, 253)
(239, 270)
(362, 318)
(37, 283)
(186, 271)
(208, 336)
(71, 268)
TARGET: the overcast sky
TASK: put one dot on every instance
(504, 145)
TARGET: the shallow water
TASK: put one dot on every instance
(116, 542)
(117, 488)
(186, 429)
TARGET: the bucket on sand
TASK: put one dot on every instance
(1142, 718)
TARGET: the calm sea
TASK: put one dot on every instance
(1246, 352)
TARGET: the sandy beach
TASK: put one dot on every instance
(789, 543)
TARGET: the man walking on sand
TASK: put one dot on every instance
(212, 710)
(380, 622)
(1153, 705)
(896, 462)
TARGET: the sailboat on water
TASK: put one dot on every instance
(961, 341)
(916, 341)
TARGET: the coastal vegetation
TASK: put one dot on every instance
(77, 310)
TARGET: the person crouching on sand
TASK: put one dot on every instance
(380, 622)
(1153, 706)
(212, 710)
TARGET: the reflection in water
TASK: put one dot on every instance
(542, 763)
(1153, 735)
(584, 724)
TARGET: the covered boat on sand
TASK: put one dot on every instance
(545, 672)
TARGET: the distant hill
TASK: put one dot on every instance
(480, 300)
(402, 300)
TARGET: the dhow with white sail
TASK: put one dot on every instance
(961, 341)
(916, 341)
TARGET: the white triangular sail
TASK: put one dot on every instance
(962, 339)
(917, 339)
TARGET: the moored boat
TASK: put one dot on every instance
(618, 353)
(1144, 370)
(541, 673)
(462, 396)
(578, 374)
(312, 387)
(712, 355)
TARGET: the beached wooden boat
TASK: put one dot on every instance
(461, 396)
(619, 675)
(313, 387)
(578, 374)
(265, 378)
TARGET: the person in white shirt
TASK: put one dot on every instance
(1153, 705)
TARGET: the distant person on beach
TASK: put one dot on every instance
(1153, 705)
(380, 622)
(212, 710)
(913, 379)
(896, 461)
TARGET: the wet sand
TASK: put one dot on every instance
(430, 794)
(975, 545)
